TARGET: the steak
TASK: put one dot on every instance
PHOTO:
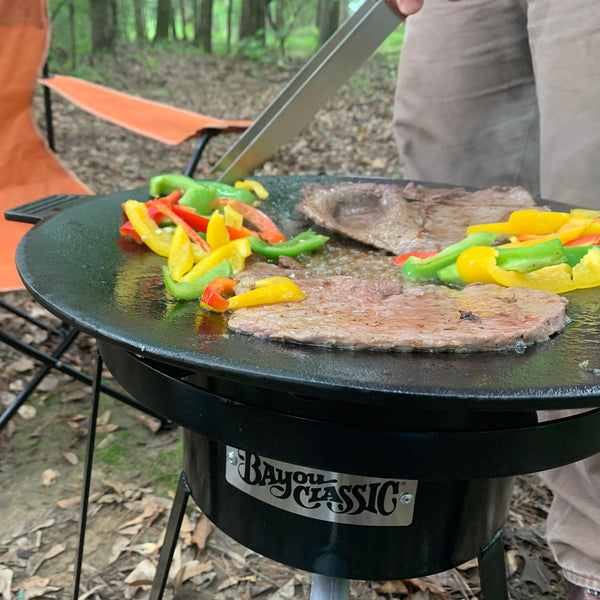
(353, 313)
(407, 218)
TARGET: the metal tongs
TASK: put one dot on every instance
(350, 46)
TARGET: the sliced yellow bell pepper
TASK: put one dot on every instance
(586, 273)
(235, 252)
(592, 228)
(151, 234)
(259, 283)
(253, 186)
(181, 254)
(586, 213)
(565, 234)
(286, 291)
(526, 221)
(478, 265)
(233, 218)
(216, 232)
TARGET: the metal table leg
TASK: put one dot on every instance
(324, 587)
(492, 569)
(166, 553)
(87, 474)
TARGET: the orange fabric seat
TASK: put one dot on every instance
(29, 170)
(152, 119)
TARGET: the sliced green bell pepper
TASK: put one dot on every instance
(164, 184)
(574, 254)
(304, 242)
(526, 259)
(427, 268)
(194, 289)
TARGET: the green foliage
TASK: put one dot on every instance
(293, 38)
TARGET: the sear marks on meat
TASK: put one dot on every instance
(355, 313)
(407, 218)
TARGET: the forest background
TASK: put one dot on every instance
(256, 29)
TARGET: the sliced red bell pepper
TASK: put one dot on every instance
(400, 260)
(213, 296)
(267, 229)
(593, 239)
(171, 199)
(200, 223)
(191, 232)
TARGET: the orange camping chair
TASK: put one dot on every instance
(33, 181)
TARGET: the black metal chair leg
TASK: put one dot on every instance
(166, 554)
(200, 145)
(87, 473)
(492, 569)
(53, 360)
(35, 381)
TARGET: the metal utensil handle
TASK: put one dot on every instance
(358, 37)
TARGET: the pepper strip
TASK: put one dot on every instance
(304, 242)
(163, 184)
(200, 223)
(191, 290)
(402, 258)
(252, 186)
(286, 291)
(191, 232)
(525, 221)
(150, 233)
(478, 265)
(216, 232)
(235, 251)
(265, 225)
(213, 299)
(426, 268)
(181, 254)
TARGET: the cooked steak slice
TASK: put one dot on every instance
(378, 315)
(407, 218)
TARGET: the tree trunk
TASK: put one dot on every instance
(140, 22)
(328, 19)
(229, 24)
(163, 19)
(183, 18)
(204, 31)
(73, 48)
(252, 21)
(103, 19)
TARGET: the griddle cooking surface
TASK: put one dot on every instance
(74, 265)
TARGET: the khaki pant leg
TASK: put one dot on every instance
(573, 523)
(565, 46)
(465, 106)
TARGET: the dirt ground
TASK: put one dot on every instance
(43, 447)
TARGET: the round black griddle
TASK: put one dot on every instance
(460, 424)
(74, 265)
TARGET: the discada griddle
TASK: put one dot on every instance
(348, 464)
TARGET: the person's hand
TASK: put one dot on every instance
(409, 7)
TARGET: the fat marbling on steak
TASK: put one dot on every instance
(347, 312)
(407, 218)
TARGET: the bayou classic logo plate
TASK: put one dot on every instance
(334, 497)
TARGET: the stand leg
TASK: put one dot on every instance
(492, 569)
(87, 474)
(324, 587)
(173, 527)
